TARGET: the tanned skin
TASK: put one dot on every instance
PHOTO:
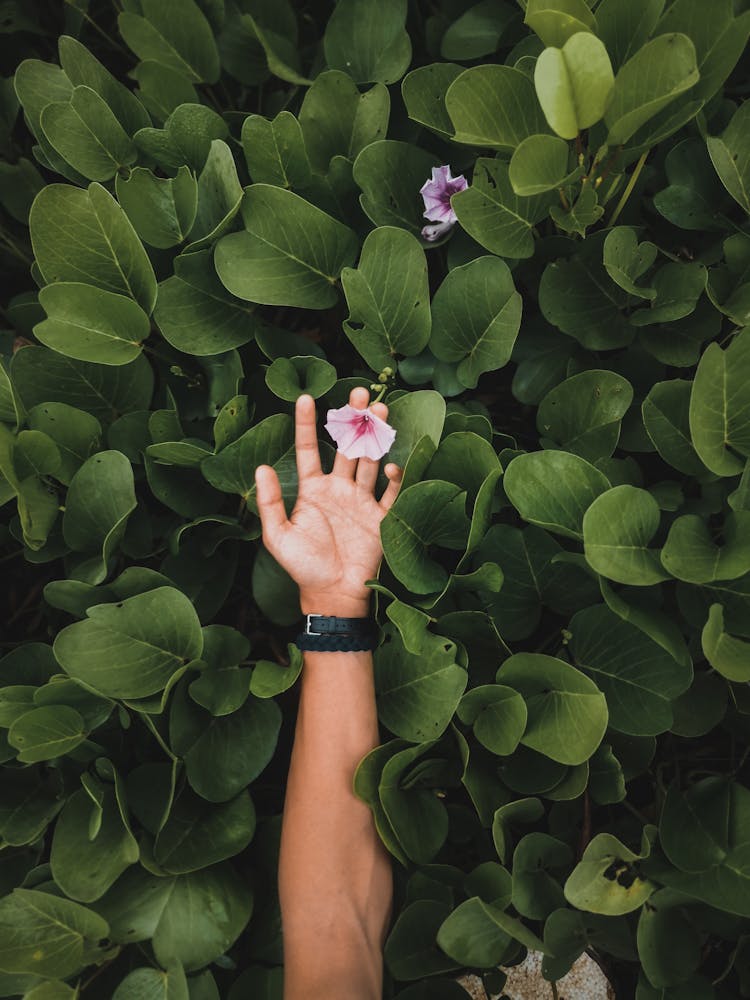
(335, 876)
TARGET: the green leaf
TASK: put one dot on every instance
(691, 554)
(694, 198)
(366, 781)
(230, 751)
(267, 443)
(417, 816)
(531, 577)
(426, 514)
(390, 174)
(51, 990)
(84, 70)
(607, 879)
(719, 414)
(478, 934)
(495, 216)
(279, 49)
(86, 133)
(84, 236)
(411, 951)
(651, 79)
(30, 801)
(576, 296)
(197, 835)
(147, 638)
(538, 164)
(476, 315)
(89, 324)
(567, 714)
(41, 376)
(554, 489)
(77, 434)
(388, 298)
(187, 138)
(287, 378)
(669, 946)
(337, 120)
(153, 984)
(466, 460)
(424, 89)
(46, 733)
(637, 675)
(367, 39)
(626, 260)
(415, 416)
(291, 253)
(678, 287)
(728, 656)
(275, 592)
(718, 36)
(84, 867)
(48, 936)
(175, 34)
(574, 83)
(584, 212)
(702, 834)
(539, 860)
(195, 312)
(100, 500)
(269, 678)
(162, 90)
(275, 150)
(192, 919)
(624, 28)
(477, 31)
(555, 21)
(219, 196)
(617, 528)
(730, 155)
(583, 414)
(498, 715)
(417, 693)
(162, 209)
(493, 106)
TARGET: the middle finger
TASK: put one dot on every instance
(359, 397)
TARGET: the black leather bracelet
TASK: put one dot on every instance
(329, 633)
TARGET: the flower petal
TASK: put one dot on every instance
(359, 433)
(432, 233)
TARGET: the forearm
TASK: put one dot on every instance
(335, 878)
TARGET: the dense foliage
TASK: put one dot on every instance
(210, 205)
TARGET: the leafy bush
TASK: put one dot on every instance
(211, 206)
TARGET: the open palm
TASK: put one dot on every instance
(330, 545)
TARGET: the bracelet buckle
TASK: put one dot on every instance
(308, 630)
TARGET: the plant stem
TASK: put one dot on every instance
(100, 30)
(629, 189)
(12, 246)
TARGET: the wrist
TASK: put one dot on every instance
(337, 605)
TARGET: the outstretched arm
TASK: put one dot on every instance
(335, 878)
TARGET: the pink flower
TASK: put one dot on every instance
(359, 433)
(436, 194)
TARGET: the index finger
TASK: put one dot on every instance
(306, 438)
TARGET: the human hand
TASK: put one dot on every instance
(330, 544)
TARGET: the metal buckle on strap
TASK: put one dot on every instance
(308, 630)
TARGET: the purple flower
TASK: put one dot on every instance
(436, 194)
(359, 433)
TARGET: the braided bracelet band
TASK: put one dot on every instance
(337, 643)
